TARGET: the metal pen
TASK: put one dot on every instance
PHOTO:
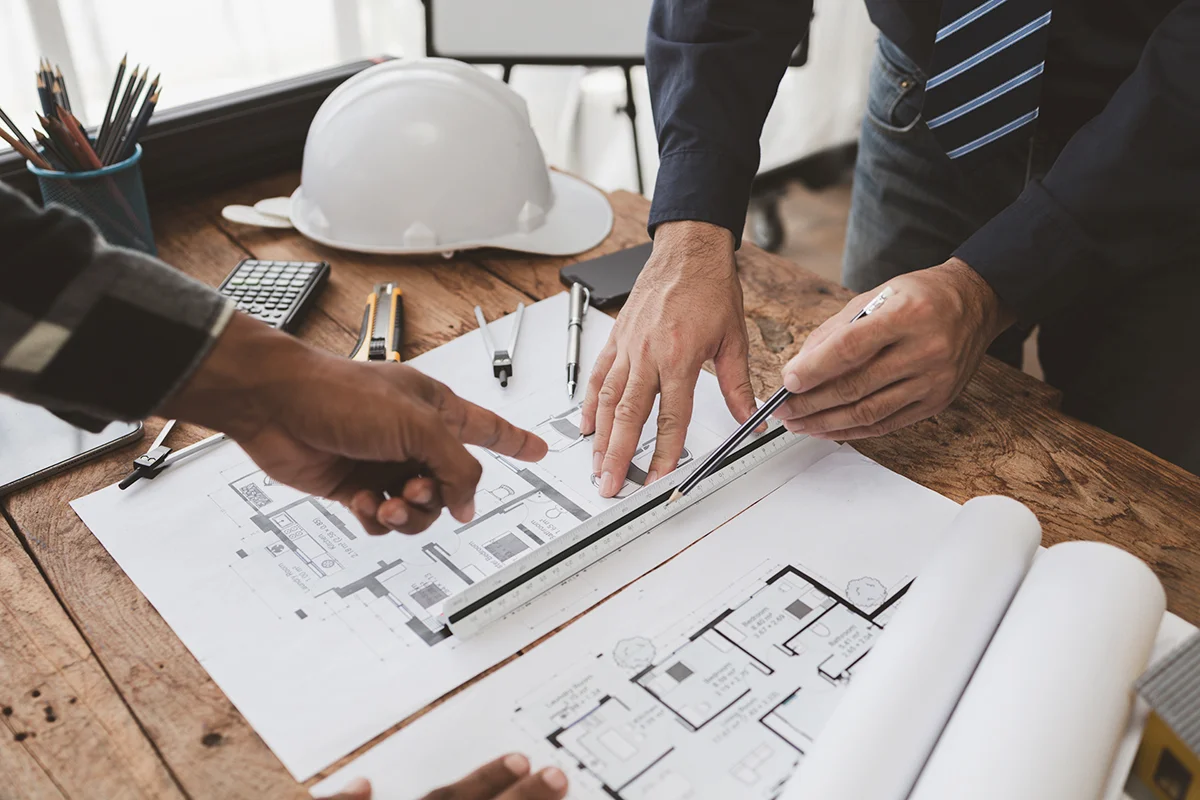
(580, 295)
(713, 460)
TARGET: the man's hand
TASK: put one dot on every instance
(685, 309)
(505, 778)
(383, 439)
(903, 363)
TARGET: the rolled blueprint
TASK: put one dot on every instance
(876, 742)
(1049, 701)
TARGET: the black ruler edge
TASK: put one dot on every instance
(616, 524)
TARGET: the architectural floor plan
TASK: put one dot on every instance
(276, 592)
(398, 583)
(729, 707)
(710, 677)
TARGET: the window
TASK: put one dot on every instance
(203, 48)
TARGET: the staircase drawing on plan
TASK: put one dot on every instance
(724, 704)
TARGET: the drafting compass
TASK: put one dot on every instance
(159, 456)
(502, 360)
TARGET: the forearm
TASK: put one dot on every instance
(89, 328)
(714, 67)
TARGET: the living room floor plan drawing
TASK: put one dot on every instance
(726, 708)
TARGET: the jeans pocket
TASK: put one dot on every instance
(897, 91)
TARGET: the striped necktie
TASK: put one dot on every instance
(985, 80)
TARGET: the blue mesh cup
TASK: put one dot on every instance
(113, 198)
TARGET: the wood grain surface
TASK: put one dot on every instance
(172, 732)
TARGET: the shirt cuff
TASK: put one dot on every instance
(1034, 255)
(701, 186)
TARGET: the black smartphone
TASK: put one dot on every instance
(36, 444)
(608, 278)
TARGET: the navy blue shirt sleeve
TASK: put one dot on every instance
(714, 67)
(1122, 198)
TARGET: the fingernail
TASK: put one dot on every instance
(651, 477)
(597, 462)
(791, 382)
(516, 763)
(796, 426)
(554, 778)
(423, 495)
(608, 485)
(358, 786)
(466, 512)
(396, 516)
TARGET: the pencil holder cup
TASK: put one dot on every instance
(113, 198)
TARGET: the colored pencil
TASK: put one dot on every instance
(112, 101)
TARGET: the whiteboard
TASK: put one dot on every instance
(525, 31)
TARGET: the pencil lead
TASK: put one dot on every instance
(675, 495)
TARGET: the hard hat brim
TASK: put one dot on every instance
(580, 219)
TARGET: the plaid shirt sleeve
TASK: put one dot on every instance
(89, 330)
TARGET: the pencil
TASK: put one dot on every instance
(112, 101)
(113, 129)
(44, 95)
(62, 161)
(123, 112)
(16, 131)
(62, 84)
(129, 143)
(74, 131)
(29, 153)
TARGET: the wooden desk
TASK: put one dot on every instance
(98, 697)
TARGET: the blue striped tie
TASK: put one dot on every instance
(985, 80)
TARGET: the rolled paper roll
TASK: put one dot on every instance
(877, 741)
(1046, 708)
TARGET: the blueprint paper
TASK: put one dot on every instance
(324, 637)
(712, 675)
(1046, 708)
(906, 691)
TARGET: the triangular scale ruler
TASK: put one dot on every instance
(506, 590)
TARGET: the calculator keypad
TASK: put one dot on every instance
(270, 290)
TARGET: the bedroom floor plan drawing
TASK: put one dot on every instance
(719, 708)
(336, 570)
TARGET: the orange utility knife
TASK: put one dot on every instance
(382, 333)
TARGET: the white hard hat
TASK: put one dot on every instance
(432, 155)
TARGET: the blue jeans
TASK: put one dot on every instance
(1126, 360)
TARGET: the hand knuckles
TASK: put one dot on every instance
(608, 396)
(628, 413)
(670, 422)
(850, 388)
(864, 414)
(846, 346)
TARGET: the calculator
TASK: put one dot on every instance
(278, 293)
